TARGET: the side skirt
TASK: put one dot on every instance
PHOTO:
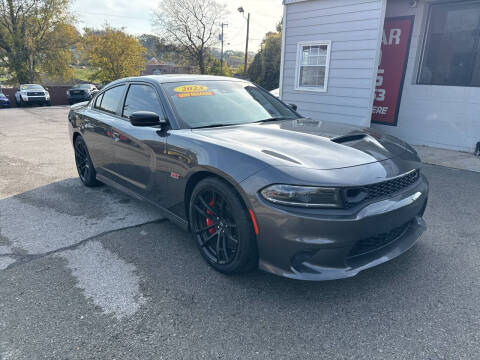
(182, 223)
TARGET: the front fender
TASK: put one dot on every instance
(190, 160)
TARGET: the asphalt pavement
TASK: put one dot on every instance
(94, 274)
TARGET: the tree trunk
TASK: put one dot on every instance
(201, 62)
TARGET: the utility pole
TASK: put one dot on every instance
(222, 38)
(246, 47)
(242, 11)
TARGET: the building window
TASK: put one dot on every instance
(451, 54)
(313, 60)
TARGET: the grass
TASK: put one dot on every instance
(83, 74)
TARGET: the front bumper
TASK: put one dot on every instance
(35, 99)
(78, 98)
(326, 245)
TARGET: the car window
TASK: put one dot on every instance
(98, 101)
(141, 98)
(111, 99)
(81, 86)
(32, 87)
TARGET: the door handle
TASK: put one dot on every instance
(115, 136)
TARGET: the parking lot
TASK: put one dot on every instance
(94, 274)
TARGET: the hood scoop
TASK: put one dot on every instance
(348, 138)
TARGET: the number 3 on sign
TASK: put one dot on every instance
(380, 94)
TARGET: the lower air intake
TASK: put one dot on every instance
(373, 243)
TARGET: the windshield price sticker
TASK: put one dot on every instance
(190, 88)
(195, 94)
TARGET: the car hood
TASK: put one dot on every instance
(308, 143)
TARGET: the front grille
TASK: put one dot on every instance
(376, 242)
(35, 93)
(76, 92)
(354, 196)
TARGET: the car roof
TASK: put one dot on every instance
(171, 78)
(30, 85)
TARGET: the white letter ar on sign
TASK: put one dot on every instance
(394, 36)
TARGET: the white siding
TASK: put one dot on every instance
(355, 28)
(440, 116)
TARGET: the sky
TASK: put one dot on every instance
(136, 17)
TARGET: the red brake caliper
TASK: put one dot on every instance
(210, 222)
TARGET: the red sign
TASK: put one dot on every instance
(397, 35)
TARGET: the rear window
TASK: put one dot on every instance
(216, 103)
(81, 86)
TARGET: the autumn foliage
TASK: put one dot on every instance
(113, 54)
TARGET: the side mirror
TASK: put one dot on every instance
(145, 118)
(293, 106)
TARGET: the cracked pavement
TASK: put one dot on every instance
(93, 274)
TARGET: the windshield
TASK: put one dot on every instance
(81, 86)
(217, 103)
(31, 87)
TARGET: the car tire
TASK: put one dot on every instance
(20, 103)
(48, 103)
(85, 168)
(222, 228)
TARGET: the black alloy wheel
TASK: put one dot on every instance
(85, 168)
(222, 228)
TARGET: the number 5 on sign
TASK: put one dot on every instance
(380, 93)
(380, 77)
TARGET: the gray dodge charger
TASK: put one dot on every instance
(256, 184)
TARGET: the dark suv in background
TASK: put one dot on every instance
(81, 92)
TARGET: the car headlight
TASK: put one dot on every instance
(303, 196)
(47, 94)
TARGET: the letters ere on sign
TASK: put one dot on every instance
(396, 39)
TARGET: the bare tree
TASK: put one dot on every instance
(192, 24)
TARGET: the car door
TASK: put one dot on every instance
(97, 128)
(139, 150)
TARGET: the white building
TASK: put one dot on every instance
(412, 66)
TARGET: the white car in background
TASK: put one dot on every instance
(32, 94)
(275, 92)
